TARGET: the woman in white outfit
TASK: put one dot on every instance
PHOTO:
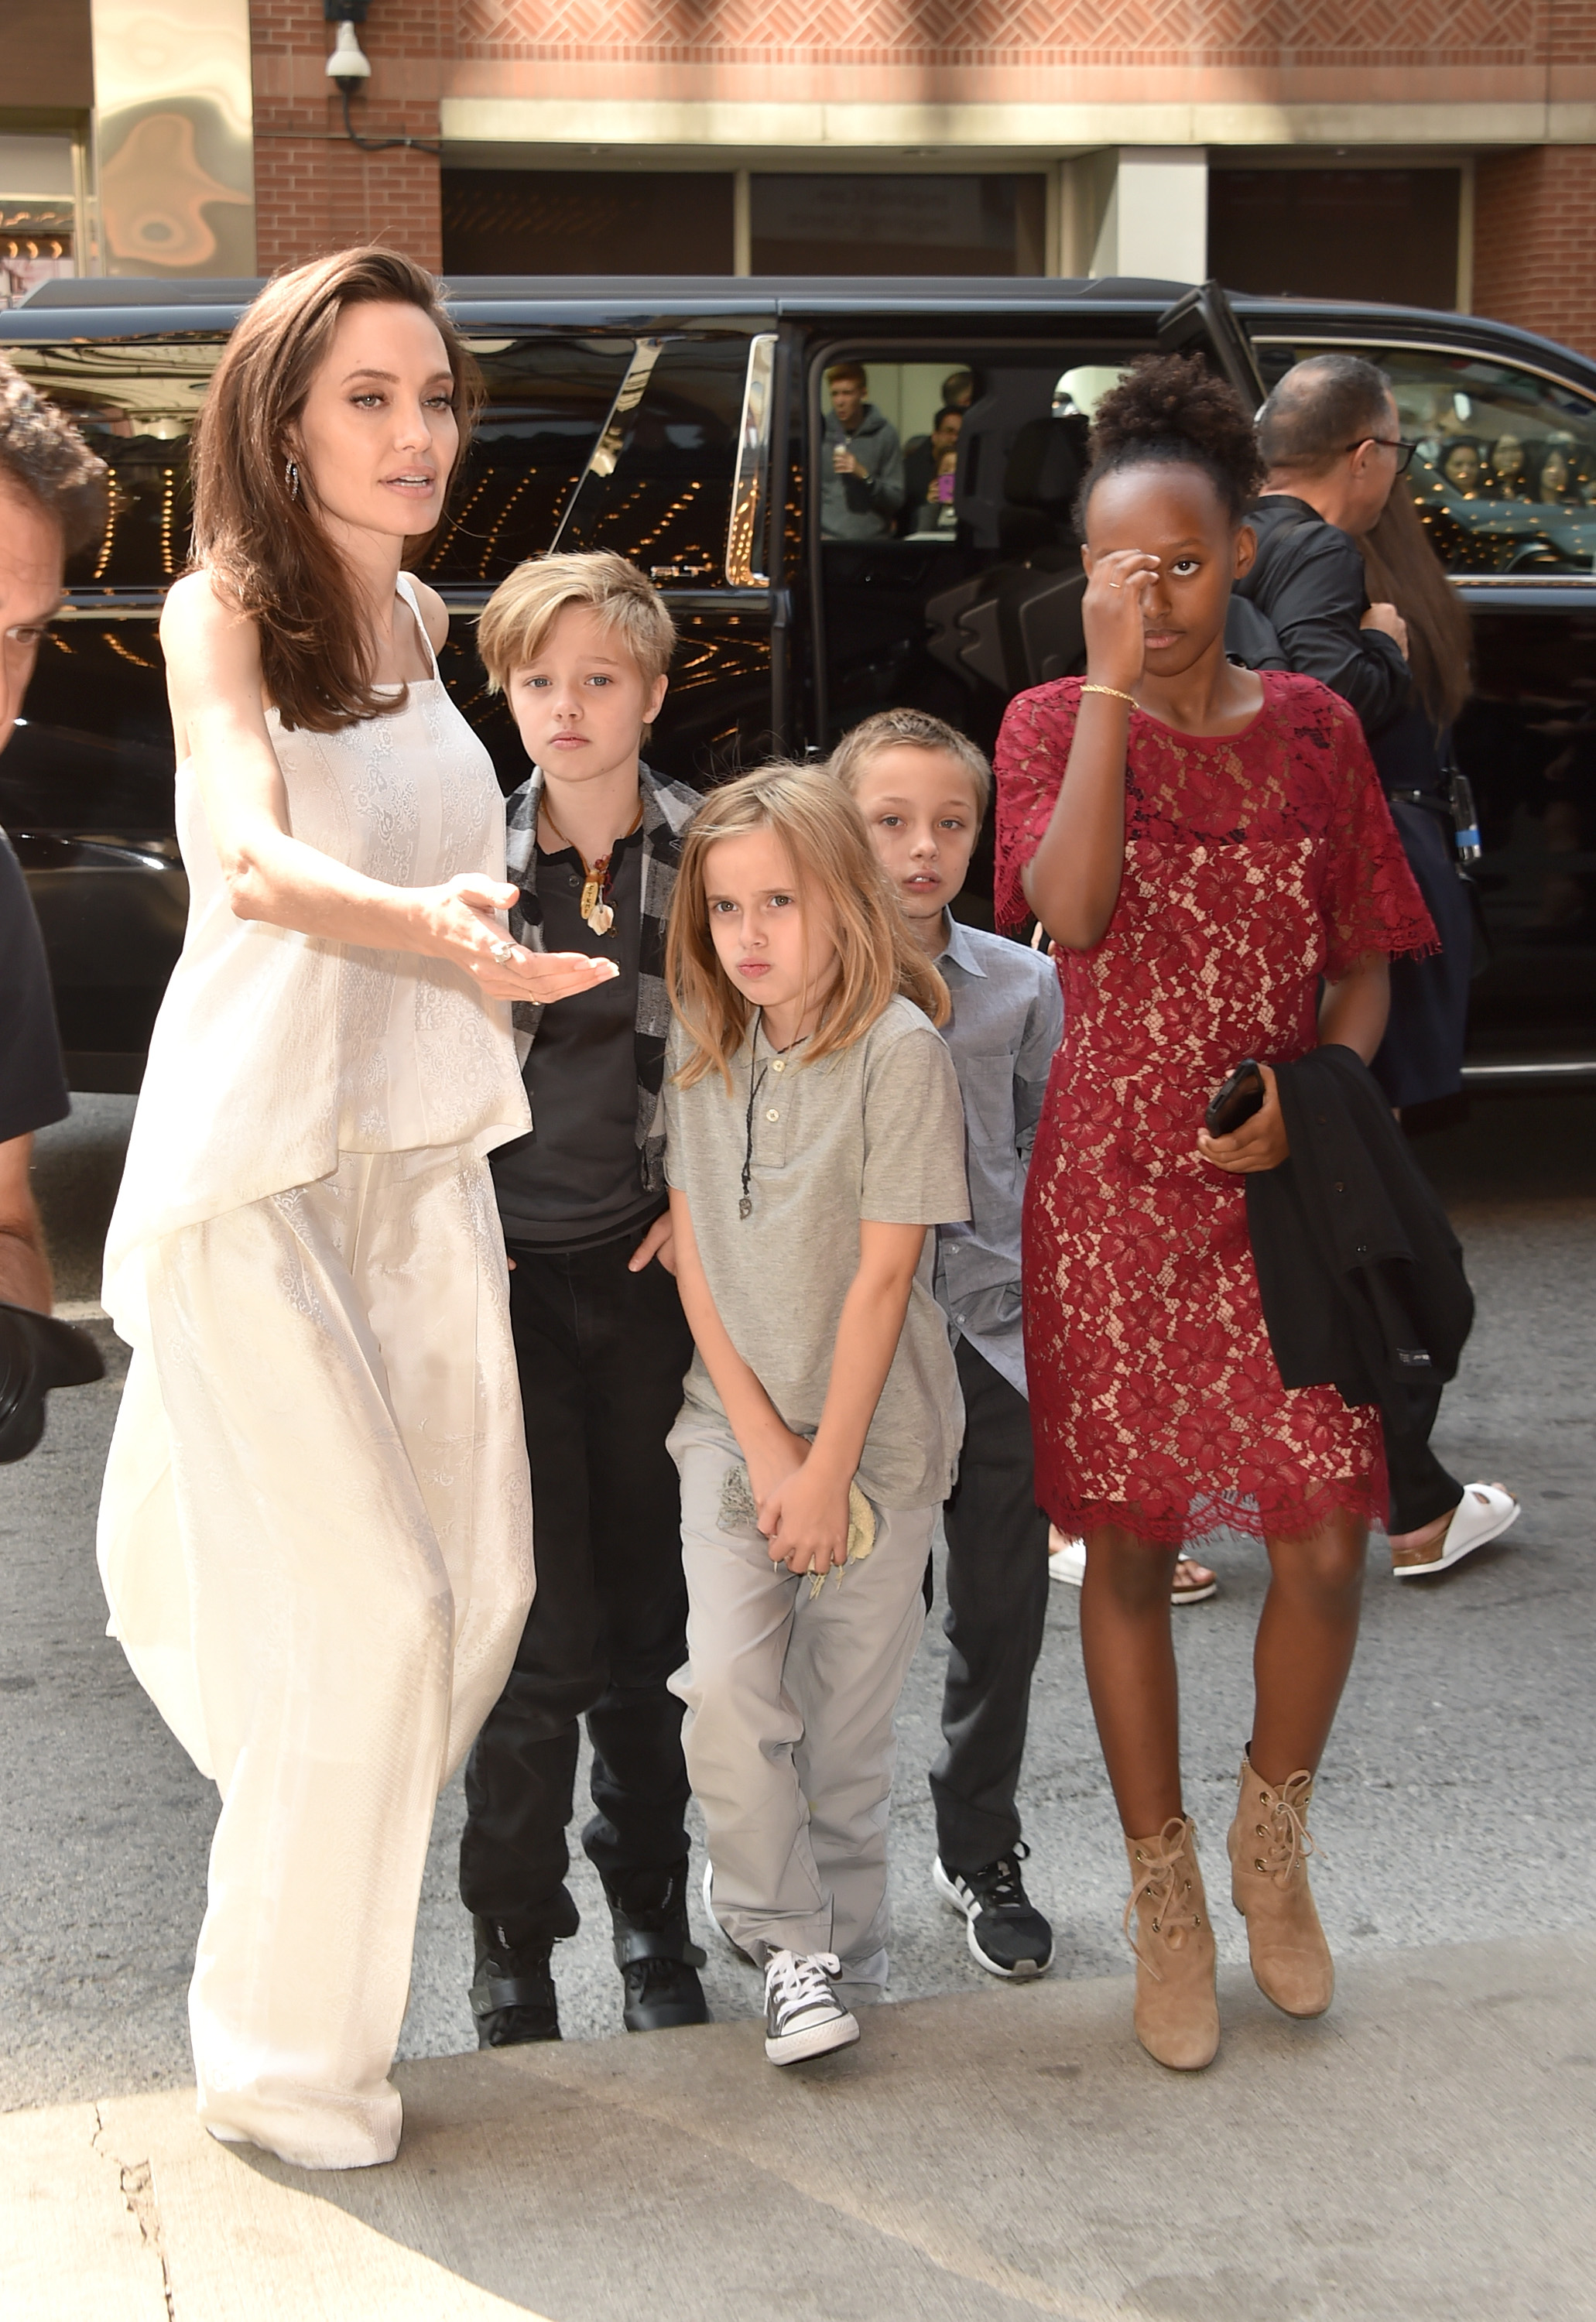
(315, 1534)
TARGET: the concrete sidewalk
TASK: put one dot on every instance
(1423, 2154)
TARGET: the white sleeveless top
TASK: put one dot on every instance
(275, 1051)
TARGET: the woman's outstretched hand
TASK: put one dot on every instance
(465, 923)
(1259, 1143)
(1111, 615)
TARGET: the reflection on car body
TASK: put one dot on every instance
(685, 424)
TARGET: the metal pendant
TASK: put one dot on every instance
(745, 1207)
(600, 919)
(591, 890)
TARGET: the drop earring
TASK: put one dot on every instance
(291, 477)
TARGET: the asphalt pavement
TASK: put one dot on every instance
(1453, 1806)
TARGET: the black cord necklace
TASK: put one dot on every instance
(745, 1206)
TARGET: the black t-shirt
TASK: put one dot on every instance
(32, 1084)
(577, 1179)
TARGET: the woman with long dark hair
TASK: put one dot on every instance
(315, 1534)
(1420, 1059)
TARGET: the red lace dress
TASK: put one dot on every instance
(1255, 864)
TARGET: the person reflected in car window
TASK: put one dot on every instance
(1510, 466)
(1557, 484)
(861, 485)
(1465, 469)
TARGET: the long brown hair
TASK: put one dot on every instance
(1403, 570)
(258, 530)
(823, 836)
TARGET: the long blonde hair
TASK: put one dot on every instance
(823, 835)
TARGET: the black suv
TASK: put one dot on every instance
(680, 422)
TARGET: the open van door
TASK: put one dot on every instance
(1205, 318)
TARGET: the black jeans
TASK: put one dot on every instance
(997, 1584)
(601, 1354)
(1420, 1487)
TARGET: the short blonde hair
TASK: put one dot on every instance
(909, 729)
(516, 621)
(823, 836)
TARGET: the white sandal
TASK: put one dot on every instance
(1484, 1513)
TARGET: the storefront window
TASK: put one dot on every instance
(885, 226)
(586, 221)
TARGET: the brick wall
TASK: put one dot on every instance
(313, 190)
(1535, 242)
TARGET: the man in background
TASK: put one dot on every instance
(862, 483)
(924, 460)
(53, 498)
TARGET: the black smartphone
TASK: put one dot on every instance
(1238, 1100)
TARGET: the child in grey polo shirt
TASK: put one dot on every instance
(814, 1132)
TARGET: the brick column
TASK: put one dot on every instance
(313, 190)
(1535, 242)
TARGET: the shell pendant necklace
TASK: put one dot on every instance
(596, 875)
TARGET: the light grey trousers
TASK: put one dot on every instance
(789, 1733)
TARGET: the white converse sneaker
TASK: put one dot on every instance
(803, 2014)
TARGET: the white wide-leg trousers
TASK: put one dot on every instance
(316, 1543)
(788, 1732)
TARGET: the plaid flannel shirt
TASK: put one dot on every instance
(667, 808)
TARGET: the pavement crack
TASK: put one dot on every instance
(137, 2179)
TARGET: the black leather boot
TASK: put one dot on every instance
(656, 1954)
(513, 1990)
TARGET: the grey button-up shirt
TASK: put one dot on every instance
(1008, 1021)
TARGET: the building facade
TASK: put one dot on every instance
(1443, 154)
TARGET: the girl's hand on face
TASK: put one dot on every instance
(806, 1518)
(464, 922)
(1258, 1144)
(1111, 612)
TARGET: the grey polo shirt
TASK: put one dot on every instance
(875, 1131)
(1008, 1021)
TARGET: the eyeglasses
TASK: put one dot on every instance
(1397, 443)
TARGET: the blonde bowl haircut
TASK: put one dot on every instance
(909, 729)
(822, 835)
(514, 623)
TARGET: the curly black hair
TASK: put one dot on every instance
(1172, 408)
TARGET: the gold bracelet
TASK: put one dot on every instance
(1114, 690)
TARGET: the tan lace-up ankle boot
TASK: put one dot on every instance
(1177, 2013)
(1269, 1850)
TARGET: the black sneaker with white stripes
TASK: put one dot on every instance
(1006, 1933)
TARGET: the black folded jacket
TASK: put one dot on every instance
(1359, 1271)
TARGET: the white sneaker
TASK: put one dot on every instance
(803, 2014)
(736, 1949)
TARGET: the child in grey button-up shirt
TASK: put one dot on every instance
(814, 1132)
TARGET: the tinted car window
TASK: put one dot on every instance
(666, 500)
(546, 402)
(135, 401)
(1505, 473)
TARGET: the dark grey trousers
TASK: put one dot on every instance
(997, 1587)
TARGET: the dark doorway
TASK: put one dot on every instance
(586, 221)
(1390, 234)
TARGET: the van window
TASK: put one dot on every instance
(1505, 473)
(135, 401)
(546, 401)
(662, 492)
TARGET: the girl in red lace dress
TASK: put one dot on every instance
(1203, 843)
